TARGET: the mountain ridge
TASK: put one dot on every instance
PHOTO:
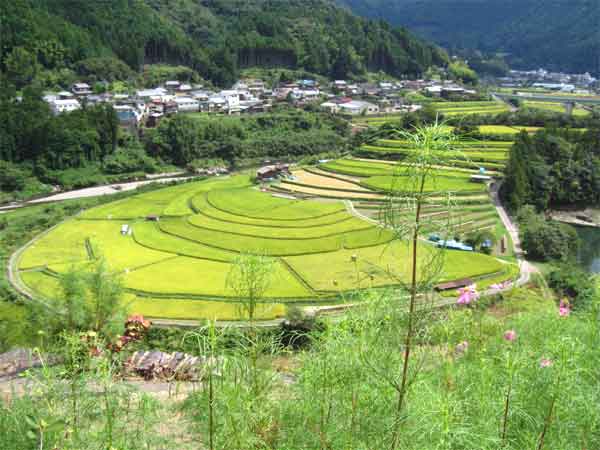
(214, 37)
(558, 35)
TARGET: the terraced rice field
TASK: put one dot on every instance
(554, 107)
(380, 166)
(177, 267)
(491, 155)
(453, 109)
(387, 176)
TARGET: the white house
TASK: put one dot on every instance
(310, 94)
(356, 107)
(59, 106)
(187, 104)
(232, 101)
(64, 95)
(152, 93)
(434, 90)
(331, 107)
(172, 84)
(81, 89)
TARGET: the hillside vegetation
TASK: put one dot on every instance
(113, 38)
(558, 35)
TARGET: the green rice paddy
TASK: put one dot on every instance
(453, 109)
(177, 267)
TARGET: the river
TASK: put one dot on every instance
(589, 255)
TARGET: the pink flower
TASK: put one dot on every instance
(467, 295)
(545, 362)
(510, 335)
(564, 309)
(461, 347)
(499, 286)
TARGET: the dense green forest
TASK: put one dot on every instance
(559, 35)
(554, 168)
(49, 40)
(239, 141)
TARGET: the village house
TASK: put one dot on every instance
(81, 89)
(186, 104)
(333, 105)
(357, 107)
(59, 106)
(172, 85)
(149, 94)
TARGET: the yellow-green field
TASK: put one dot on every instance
(177, 267)
(555, 107)
(453, 109)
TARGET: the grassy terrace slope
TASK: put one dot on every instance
(383, 176)
(177, 267)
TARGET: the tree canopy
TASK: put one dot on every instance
(215, 38)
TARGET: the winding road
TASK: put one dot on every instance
(96, 191)
(526, 268)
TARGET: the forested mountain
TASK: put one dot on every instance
(111, 38)
(557, 34)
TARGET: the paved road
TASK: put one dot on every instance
(96, 191)
(526, 268)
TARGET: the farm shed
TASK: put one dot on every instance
(273, 171)
(454, 284)
(480, 178)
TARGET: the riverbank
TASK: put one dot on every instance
(588, 217)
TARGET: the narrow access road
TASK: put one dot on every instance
(526, 268)
(94, 191)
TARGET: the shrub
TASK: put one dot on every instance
(545, 240)
(12, 178)
(573, 282)
(131, 159)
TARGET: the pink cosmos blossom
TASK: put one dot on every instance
(545, 362)
(510, 335)
(467, 295)
(499, 286)
(564, 309)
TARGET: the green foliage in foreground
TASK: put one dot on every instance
(338, 390)
(16, 229)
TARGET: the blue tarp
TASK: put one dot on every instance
(455, 245)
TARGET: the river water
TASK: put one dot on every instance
(589, 255)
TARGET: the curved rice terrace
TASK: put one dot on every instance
(366, 179)
(177, 267)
